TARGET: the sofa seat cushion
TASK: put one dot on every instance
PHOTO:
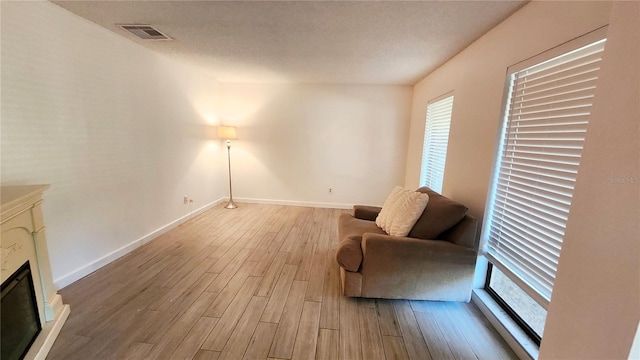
(350, 231)
(440, 215)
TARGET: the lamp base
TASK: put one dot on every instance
(231, 205)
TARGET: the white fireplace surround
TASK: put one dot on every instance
(23, 239)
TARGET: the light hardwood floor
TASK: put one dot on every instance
(256, 282)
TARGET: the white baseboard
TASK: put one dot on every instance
(293, 203)
(116, 254)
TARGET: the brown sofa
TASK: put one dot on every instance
(436, 261)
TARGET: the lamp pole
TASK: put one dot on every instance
(230, 204)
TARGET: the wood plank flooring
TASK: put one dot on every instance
(257, 282)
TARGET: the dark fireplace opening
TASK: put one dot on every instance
(18, 314)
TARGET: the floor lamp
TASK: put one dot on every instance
(228, 133)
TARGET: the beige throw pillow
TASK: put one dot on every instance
(386, 214)
(401, 210)
(407, 213)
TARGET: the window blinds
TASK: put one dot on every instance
(436, 138)
(548, 108)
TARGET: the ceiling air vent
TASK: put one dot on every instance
(145, 32)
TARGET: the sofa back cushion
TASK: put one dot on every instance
(439, 216)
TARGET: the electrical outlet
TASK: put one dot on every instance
(330, 189)
(186, 199)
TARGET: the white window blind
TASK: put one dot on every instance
(436, 138)
(548, 108)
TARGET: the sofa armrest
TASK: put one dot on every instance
(402, 267)
(463, 233)
(366, 212)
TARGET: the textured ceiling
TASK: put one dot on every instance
(358, 42)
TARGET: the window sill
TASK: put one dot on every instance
(515, 337)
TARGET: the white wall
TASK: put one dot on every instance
(122, 133)
(595, 307)
(297, 141)
(118, 131)
(477, 77)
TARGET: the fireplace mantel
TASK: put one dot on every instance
(22, 238)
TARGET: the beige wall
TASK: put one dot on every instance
(477, 77)
(595, 306)
(119, 132)
(295, 141)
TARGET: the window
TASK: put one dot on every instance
(436, 138)
(546, 115)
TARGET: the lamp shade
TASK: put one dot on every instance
(227, 132)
